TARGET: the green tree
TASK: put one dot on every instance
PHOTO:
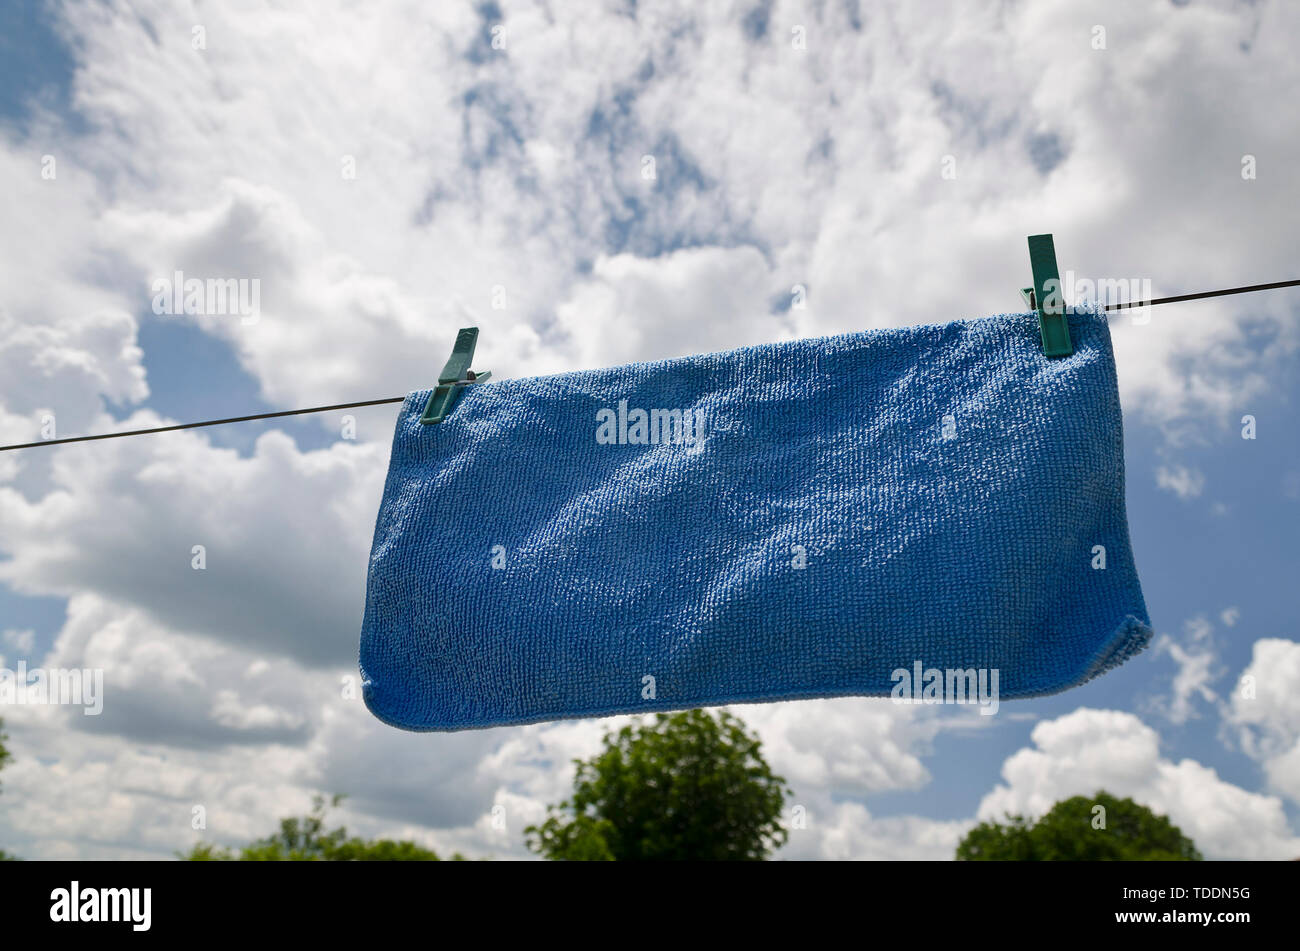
(306, 840)
(690, 785)
(4, 758)
(4, 753)
(1073, 831)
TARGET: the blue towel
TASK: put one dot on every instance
(816, 518)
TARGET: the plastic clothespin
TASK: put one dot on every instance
(1046, 298)
(455, 376)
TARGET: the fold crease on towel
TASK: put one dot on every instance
(803, 519)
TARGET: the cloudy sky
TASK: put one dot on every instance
(389, 173)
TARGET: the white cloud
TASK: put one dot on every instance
(849, 831)
(851, 746)
(164, 688)
(1192, 681)
(1090, 750)
(516, 167)
(1183, 482)
(285, 536)
(67, 340)
(1196, 661)
(116, 798)
(633, 309)
(1264, 712)
(835, 754)
(21, 641)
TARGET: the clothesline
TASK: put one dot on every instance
(1223, 293)
(398, 399)
(207, 422)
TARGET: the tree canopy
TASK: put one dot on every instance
(4, 758)
(1074, 830)
(690, 785)
(305, 840)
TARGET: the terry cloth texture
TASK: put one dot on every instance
(785, 521)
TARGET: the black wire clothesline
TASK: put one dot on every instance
(398, 399)
(208, 422)
(1222, 293)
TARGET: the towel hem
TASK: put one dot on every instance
(1130, 638)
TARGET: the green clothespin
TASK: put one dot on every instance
(1046, 297)
(455, 376)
